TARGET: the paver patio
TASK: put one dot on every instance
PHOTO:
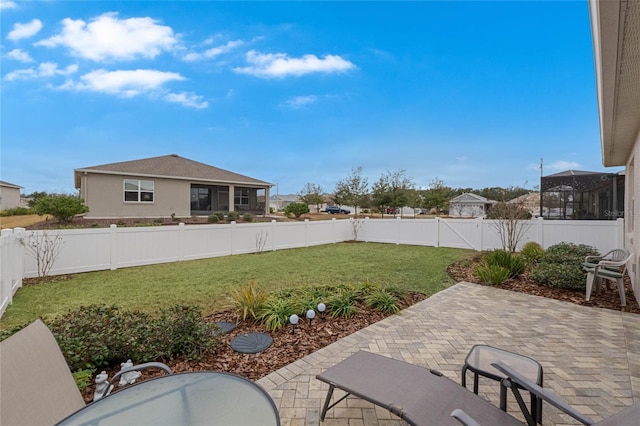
(591, 357)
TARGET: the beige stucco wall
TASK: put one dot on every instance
(632, 216)
(104, 195)
(9, 197)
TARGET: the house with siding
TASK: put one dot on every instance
(9, 195)
(615, 28)
(470, 205)
(165, 186)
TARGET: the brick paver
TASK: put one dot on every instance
(591, 357)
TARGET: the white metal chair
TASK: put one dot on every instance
(612, 270)
(615, 255)
(36, 385)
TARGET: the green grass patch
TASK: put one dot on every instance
(208, 283)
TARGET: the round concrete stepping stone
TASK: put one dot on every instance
(251, 343)
(224, 328)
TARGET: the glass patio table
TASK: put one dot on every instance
(194, 398)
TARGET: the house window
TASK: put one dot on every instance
(241, 197)
(138, 191)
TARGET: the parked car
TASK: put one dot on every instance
(336, 209)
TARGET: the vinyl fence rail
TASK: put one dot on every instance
(95, 249)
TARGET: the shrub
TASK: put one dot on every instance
(15, 211)
(103, 336)
(343, 303)
(568, 252)
(276, 312)
(185, 333)
(296, 209)
(83, 378)
(561, 266)
(513, 263)
(247, 217)
(248, 301)
(233, 216)
(383, 301)
(219, 215)
(62, 207)
(532, 252)
(213, 219)
(492, 274)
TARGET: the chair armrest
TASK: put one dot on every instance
(464, 418)
(590, 259)
(138, 367)
(540, 392)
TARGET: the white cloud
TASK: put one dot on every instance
(127, 83)
(107, 37)
(45, 69)
(214, 51)
(8, 5)
(300, 101)
(280, 65)
(27, 30)
(19, 55)
(187, 99)
(561, 165)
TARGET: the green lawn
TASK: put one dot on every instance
(208, 282)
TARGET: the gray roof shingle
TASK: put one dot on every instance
(173, 166)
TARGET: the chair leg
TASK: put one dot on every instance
(623, 299)
(590, 278)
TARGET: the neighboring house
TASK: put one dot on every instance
(469, 205)
(9, 195)
(530, 202)
(615, 26)
(280, 202)
(165, 186)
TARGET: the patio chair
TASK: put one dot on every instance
(516, 381)
(36, 385)
(417, 395)
(615, 255)
(612, 270)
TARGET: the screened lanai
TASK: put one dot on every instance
(575, 194)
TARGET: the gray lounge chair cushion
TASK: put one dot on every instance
(413, 393)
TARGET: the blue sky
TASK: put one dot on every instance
(473, 93)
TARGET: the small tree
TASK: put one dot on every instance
(62, 207)
(352, 190)
(511, 221)
(312, 195)
(296, 209)
(438, 196)
(44, 248)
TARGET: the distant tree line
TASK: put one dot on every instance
(394, 190)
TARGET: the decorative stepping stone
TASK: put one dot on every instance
(251, 343)
(224, 327)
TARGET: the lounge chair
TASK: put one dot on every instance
(416, 394)
(516, 381)
(36, 385)
(421, 396)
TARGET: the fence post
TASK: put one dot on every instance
(540, 231)
(398, 220)
(113, 246)
(18, 260)
(181, 231)
(233, 228)
(333, 229)
(273, 232)
(366, 226)
(479, 227)
(306, 232)
(437, 219)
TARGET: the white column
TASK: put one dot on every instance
(232, 193)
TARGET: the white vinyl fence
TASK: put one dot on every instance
(85, 250)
